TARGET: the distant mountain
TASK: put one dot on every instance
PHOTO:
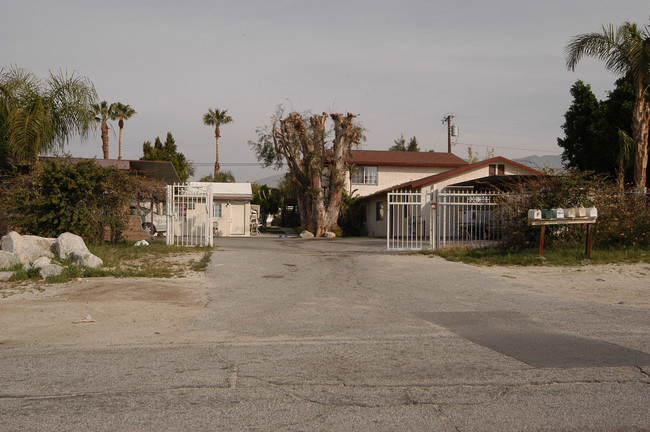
(271, 181)
(539, 162)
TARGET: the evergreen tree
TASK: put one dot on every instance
(168, 152)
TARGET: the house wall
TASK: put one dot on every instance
(388, 176)
(372, 226)
(234, 220)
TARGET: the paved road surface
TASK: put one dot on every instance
(338, 335)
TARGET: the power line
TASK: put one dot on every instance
(242, 164)
(511, 148)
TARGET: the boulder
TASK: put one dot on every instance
(25, 250)
(86, 259)
(306, 234)
(8, 259)
(329, 234)
(69, 245)
(5, 275)
(44, 244)
(51, 270)
(40, 262)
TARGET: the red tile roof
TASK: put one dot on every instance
(404, 158)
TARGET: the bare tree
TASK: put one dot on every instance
(316, 165)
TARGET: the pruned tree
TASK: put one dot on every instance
(316, 164)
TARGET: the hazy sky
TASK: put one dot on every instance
(402, 66)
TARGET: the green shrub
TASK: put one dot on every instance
(623, 217)
(60, 196)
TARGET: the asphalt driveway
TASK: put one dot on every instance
(341, 335)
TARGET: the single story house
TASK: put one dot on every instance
(231, 208)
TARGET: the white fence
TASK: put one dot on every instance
(434, 220)
(190, 215)
(467, 218)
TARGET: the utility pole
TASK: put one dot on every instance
(447, 119)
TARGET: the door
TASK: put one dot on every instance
(237, 219)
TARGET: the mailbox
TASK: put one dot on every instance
(534, 214)
(547, 214)
(592, 212)
(581, 212)
(570, 213)
(558, 213)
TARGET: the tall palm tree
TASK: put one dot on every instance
(121, 112)
(102, 112)
(626, 52)
(216, 118)
(38, 116)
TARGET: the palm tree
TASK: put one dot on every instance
(102, 112)
(626, 52)
(121, 112)
(216, 118)
(37, 117)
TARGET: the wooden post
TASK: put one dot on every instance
(541, 240)
(589, 239)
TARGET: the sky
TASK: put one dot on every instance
(498, 67)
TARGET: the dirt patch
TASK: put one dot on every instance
(626, 284)
(102, 311)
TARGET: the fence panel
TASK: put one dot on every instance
(465, 217)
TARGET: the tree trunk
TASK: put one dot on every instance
(104, 128)
(640, 125)
(119, 151)
(216, 161)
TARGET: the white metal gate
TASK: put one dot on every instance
(467, 218)
(434, 220)
(190, 215)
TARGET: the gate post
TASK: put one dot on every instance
(434, 220)
(169, 240)
(209, 202)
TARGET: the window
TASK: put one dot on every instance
(380, 210)
(497, 169)
(217, 210)
(365, 175)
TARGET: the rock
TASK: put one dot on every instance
(69, 245)
(51, 270)
(44, 244)
(85, 259)
(5, 275)
(306, 234)
(41, 262)
(329, 234)
(25, 250)
(8, 259)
